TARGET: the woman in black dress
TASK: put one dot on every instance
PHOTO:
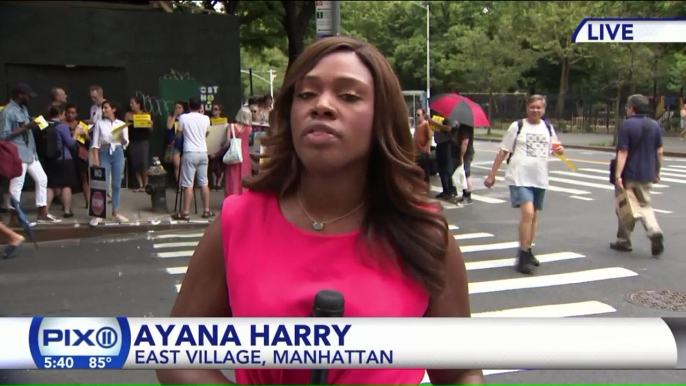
(80, 151)
(139, 147)
(61, 172)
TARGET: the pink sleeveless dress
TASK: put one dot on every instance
(274, 269)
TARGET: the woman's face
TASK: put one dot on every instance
(332, 113)
(178, 109)
(134, 105)
(71, 114)
(216, 111)
(108, 111)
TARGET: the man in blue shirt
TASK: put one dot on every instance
(639, 159)
(17, 127)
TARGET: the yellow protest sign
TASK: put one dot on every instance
(219, 121)
(117, 131)
(82, 137)
(438, 119)
(141, 121)
(42, 123)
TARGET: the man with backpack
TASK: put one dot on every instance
(527, 146)
(16, 126)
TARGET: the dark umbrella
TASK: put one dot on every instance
(23, 220)
(460, 109)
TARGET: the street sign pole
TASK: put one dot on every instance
(328, 18)
(336, 15)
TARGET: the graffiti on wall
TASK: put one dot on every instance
(155, 106)
(207, 95)
(176, 75)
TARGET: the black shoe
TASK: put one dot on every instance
(441, 195)
(467, 201)
(657, 246)
(524, 263)
(459, 200)
(534, 260)
(621, 246)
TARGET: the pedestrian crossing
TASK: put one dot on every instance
(585, 184)
(489, 262)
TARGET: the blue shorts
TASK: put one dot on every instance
(522, 194)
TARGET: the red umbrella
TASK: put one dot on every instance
(460, 109)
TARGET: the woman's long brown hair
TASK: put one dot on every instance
(400, 214)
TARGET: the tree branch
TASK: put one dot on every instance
(272, 7)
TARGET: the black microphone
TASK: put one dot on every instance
(327, 304)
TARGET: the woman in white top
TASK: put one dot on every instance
(110, 137)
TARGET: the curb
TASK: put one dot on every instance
(48, 232)
(588, 147)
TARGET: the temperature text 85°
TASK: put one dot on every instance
(98, 362)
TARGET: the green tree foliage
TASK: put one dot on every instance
(477, 46)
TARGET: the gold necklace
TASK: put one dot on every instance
(319, 225)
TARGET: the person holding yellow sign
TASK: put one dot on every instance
(140, 125)
(110, 136)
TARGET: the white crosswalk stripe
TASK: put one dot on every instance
(177, 248)
(583, 184)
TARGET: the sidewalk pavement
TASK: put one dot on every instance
(137, 207)
(674, 147)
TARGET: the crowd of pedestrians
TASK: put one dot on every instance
(56, 147)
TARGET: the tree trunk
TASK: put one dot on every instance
(617, 107)
(296, 23)
(564, 85)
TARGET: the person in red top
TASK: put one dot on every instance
(339, 204)
(422, 143)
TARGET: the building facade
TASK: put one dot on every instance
(128, 50)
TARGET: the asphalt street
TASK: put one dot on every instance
(140, 275)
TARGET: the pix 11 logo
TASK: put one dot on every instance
(79, 337)
(630, 30)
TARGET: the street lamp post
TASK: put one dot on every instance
(428, 50)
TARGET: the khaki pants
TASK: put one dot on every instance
(641, 190)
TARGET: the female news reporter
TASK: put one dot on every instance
(110, 136)
(340, 171)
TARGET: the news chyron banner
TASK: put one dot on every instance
(630, 30)
(331, 343)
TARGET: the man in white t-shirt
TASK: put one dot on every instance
(194, 161)
(528, 143)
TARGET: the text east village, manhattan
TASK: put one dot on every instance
(281, 346)
(254, 357)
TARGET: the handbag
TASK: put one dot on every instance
(235, 153)
(11, 165)
(82, 152)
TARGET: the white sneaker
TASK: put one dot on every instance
(95, 221)
(48, 219)
(120, 219)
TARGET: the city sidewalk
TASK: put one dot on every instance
(674, 146)
(137, 207)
